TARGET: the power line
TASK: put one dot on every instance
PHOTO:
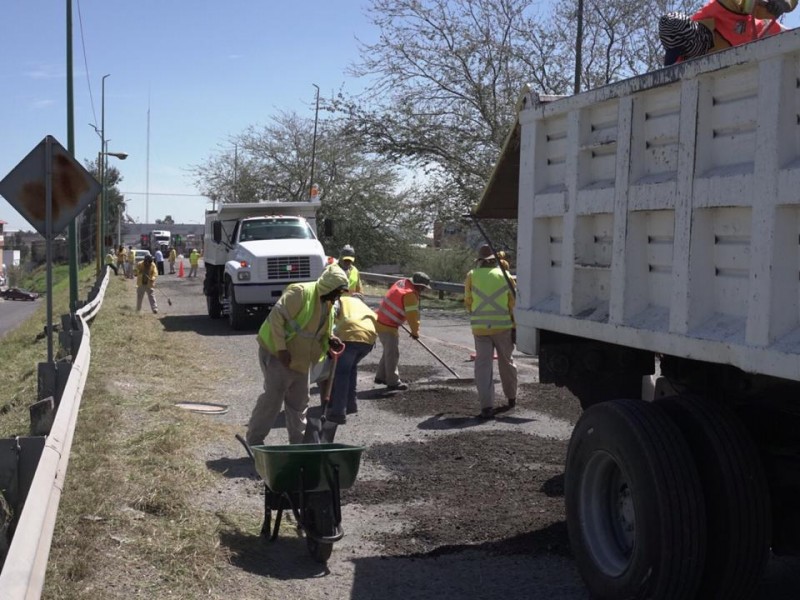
(86, 63)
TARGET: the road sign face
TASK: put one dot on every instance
(74, 188)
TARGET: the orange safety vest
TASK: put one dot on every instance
(733, 27)
(391, 311)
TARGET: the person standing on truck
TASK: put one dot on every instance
(347, 262)
(295, 335)
(718, 25)
(355, 326)
(194, 258)
(490, 304)
(146, 275)
(400, 304)
(172, 256)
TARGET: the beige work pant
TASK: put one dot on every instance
(151, 297)
(282, 387)
(485, 347)
(387, 371)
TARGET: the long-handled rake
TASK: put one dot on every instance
(169, 301)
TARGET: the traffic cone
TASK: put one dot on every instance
(180, 269)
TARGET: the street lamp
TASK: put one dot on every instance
(101, 205)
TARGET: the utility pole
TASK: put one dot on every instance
(72, 233)
(314, 147)
(579, 49)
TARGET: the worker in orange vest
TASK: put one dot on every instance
(400, 304)
(718, 25)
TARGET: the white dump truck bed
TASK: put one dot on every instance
(663, 212)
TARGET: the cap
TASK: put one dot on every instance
(332, 278)
(347, 250)
(421, 279)
(350, 258)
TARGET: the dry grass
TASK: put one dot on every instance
(126, 524)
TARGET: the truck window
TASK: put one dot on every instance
(275, 230)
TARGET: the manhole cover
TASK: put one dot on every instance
(204, 407)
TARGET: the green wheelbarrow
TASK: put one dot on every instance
(307, 478)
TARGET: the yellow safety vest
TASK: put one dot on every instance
(296, 327)
(490, 300)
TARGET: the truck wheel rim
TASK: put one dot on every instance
(607, 514)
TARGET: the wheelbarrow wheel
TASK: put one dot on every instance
(320, 551)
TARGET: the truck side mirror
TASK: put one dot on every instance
(216, 231)
(327, 228)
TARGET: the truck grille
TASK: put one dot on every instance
(289, 267)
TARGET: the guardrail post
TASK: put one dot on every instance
(52, 377)
(19, 458)
(70, 335)
(43, 413)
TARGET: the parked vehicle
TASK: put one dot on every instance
(18, 294)
(140, 254)
(658, 233)
(160, 240)
(253, 251)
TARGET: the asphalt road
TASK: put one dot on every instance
(451, 339)
(14, 312)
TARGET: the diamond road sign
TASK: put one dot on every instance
(73, 187)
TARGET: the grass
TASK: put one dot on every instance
(128, 523)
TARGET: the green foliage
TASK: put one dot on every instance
(441, 264)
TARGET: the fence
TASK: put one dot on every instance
(22, 575)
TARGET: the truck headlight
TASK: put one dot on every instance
(243, 275)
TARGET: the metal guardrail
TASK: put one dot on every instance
(440, 286)
(23, 573)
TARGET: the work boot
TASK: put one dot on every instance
(486, 413)
(380, 381)
(399, 386)
(512, 402)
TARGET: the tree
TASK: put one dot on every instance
(446, 76)
(165, 221)
(361, 193)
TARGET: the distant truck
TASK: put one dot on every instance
(160, 240)
(658, 234)
(253, 251)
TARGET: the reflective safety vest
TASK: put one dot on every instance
(296, 326)
(391, 311)
(490, 300)
(734, 26)
(352, 279)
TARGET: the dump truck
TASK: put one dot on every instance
(253, 251)
(658, 264)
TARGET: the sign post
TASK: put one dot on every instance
(49, 188)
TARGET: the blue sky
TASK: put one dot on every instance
(207, 70)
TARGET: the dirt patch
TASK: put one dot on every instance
(496, 488)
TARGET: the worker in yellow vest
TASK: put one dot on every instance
(490, 303)
(347, 258)
(296, 335)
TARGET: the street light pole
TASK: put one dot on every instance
(314, 147)
(102, 165)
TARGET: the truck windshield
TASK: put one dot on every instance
(275, 229)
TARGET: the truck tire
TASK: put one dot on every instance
(237, 314)
(214, 306)
(634, 504)
(736, 496)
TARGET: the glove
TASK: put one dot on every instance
(777, 7)
(414, 336)
(335, 344)
(285, 358)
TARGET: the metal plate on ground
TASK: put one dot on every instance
(204, 407)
